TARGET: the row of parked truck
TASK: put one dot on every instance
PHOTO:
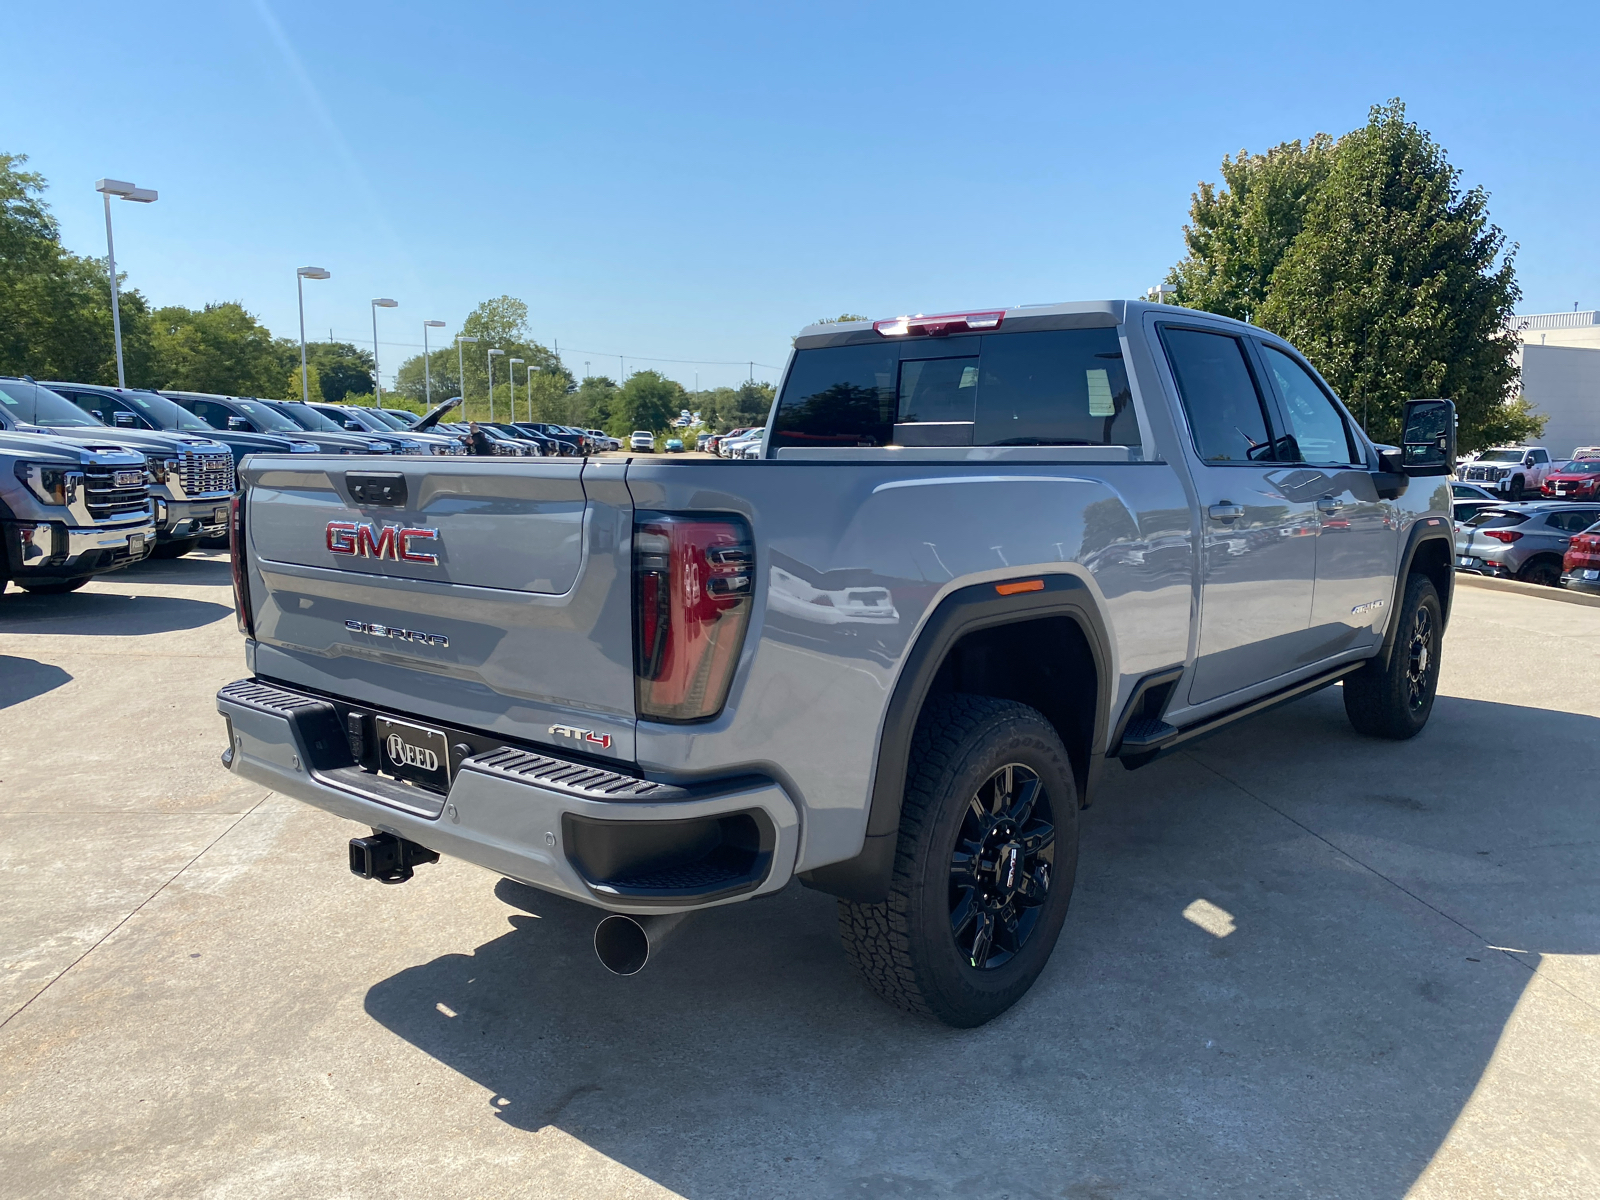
(95, 478)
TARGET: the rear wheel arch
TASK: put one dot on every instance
(1021, 647)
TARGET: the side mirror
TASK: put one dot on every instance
(352, 425)
(122, 420)
(1429, 437)
(239, 424)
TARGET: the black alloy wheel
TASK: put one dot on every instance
(1000, 871)
(1542, 571)
(1516, 489)
(1419, 659)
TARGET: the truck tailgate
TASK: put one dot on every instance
(494, 594)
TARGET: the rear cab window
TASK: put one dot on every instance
(1059, 387)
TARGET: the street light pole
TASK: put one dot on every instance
(511, 386)
(489, 358)
(377, 379)
(124, 191)
(461, 369)
(427, 380)
(300, 277)
(530, 394)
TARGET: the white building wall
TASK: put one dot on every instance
(1563, 384)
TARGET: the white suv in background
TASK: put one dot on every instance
(642, 439)
(1512, 471)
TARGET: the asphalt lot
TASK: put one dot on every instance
(1387, 983)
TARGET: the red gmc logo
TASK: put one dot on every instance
(384, 541)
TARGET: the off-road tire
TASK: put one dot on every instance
(906, 947)
(1515, 491)
(60, 588)
(1544, 571)
(174, 549)
(1395, 701)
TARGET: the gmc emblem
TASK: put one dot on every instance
(383, 541)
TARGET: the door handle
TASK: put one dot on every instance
(1225, 512)
(1329, 505)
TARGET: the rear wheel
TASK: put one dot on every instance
(175, 549)
(57, 588)
(1546, 572)
(1395, 701)
(984, 868)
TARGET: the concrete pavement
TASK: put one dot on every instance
(1279, 978)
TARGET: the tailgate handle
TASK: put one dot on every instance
(378, 489)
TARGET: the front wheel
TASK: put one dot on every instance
(1516, 489)
(1394, 701)
(984, 866)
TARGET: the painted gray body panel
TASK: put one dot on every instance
(852, 558)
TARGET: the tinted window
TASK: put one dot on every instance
(937, 389)
(30, 404)
(161, 412)
(265, 418)
(1062, 387)
(839, 396)
(1219, 395)
(1316, 425)
(309, 418)
(108, 407)
(1541, 456)
(1048, 388)
(1572, 520)
(212, 414)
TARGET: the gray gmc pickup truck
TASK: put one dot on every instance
(982, 556)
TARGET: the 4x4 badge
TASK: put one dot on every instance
(603, 740)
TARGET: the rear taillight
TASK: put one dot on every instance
(241, 586)
(938, 326)
(1501, 535)
(692, 580)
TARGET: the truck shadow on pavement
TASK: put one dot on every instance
(106, 614)
(24, 678)
(1320, 1036)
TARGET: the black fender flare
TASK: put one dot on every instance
(1424, 529)
(865, 878)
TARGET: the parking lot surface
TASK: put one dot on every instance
(1298, 963)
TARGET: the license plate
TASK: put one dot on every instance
(413, 752)
(1590, 575)
(1466, 561)
(136, 545)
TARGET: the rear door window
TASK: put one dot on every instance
(1226, 414)
(1064, 387)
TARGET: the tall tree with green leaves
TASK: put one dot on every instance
(221, 348)
(649, 400)
(1398, 286)
(1238, 234)
(1370, 257)
(501, 324)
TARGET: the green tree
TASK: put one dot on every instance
(1238, 234)
(649, 400)
(841, 319)
(55, 307)
(220, 348)
(1367, 254)
(501, 324)
(1398, 286)
(342, 369)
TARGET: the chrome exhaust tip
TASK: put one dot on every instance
(624, 944)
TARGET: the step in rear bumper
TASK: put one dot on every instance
(497, 816)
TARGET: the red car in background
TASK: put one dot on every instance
(1580, 568)
(1576, 479)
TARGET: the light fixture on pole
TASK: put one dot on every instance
(377, 380)
(489, 358)
(511, 387)
(123, 191)
(300, 276)
(461, 369)
(427, 381)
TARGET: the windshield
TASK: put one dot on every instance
(308, 417)
(383, 418)
(1500, 456)
(163, 413)
(406, 419)
(1580, 466)
(30, 404)
(346, 412)
(269, 419)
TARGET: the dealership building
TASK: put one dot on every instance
(1560, 360)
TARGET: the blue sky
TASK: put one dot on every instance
(697, 182)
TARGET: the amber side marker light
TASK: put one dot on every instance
(1027, 585)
